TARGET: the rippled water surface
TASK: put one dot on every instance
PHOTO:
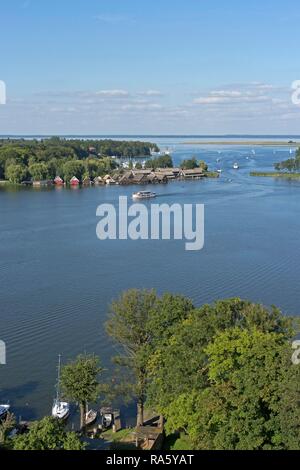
(57, 279)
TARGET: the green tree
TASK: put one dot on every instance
(38, 171)
(6, 426)
(189, 164)
(138, 321)
(164, 161)
(15, 173)
(251, 398)
(128, 326)
(80, 382)
(47, 434)
(178, 366)
(73, 168)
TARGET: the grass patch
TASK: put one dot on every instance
(212, 174)
(123, 434)
(120, 440)
(177, 442)
(274, 174)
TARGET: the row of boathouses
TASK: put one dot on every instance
(145, 176)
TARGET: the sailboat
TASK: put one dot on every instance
(60, 409)
(4, 409)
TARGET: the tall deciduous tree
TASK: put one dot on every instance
(80, 382)
(179, 366)
(138, 321)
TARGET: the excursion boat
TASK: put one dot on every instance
(236, 166)
(90, 417)
(60, 409)
(143, 195)
(4, 409)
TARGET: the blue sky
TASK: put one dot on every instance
(167, 66)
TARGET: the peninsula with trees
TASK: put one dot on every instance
(57, 161)
(288, 169)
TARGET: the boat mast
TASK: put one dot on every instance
(58, 379)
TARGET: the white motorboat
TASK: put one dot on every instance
(4, 409)
(60, 409)
(236, 166)
(219, 171)
(143, 195)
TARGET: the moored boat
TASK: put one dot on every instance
(90, 417)
(60, 409)
(4, 409)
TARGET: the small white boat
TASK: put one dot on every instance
(4, 409)
(90, 417)
(143, 195)
(219, 171)
(107, 420)
(60, 409)
(236, 166)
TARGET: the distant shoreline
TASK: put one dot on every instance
(247, 143)
(266, 174)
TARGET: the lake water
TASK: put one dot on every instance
(57, 279)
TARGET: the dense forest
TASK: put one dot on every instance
(45, 159)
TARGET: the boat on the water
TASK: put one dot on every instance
(4, 409)
(106, 418)
(90, 417)
(60, 409)
(236, 166)
(143, 195)
(219, 170)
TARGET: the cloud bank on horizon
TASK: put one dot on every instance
(178, 67)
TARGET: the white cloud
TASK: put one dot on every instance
(113, 93)
(150, 93)
(141, 107)
(238, 94)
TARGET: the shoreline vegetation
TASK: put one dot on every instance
(248, 143)
(274, 174)
(236, 373)
(62, 162)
